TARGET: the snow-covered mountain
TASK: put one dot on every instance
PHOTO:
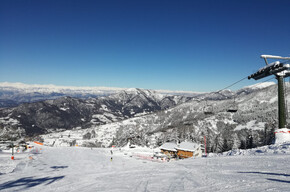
(64, 113)
(148, 118)
(13, 94)
(252, 124)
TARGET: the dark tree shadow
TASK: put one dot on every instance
(28, 182)
(267, 173)
(278, 180)
(59, 167)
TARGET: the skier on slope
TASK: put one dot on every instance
(112, 155)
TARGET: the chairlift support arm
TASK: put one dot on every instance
(280, 70)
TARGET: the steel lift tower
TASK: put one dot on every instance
(281, 70)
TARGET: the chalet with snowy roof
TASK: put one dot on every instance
(169, 149)
(189, 149)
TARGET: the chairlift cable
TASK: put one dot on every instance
(210, 111)
(237, 83)
(240, 81)
(268, 79)
(231, 84)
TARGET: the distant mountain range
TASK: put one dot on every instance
(13, 94)
(147, 117)
(251, 125)
(29, 119)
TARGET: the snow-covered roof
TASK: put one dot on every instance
(169, 146)
(187, 146)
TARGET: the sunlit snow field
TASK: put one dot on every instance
(85, 169)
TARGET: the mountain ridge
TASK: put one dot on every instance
(252, 125)
(147, 117)
(67, 112)
(13, 94)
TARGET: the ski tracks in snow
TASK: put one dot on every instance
(83, 169)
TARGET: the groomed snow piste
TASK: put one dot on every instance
(84, 169)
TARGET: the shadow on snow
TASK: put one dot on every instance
(59, 167)
(279, 180)
(28, 182)
(268, 173)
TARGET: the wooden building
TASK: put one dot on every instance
(169, 149)
(189, 149)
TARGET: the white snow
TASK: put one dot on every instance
(101, 117)
(188, 146)
(104, 107)
(274, 99)
(64, 109)
(54, 88)
(31, 88)
(9, 121)
(62, 169)
(282, 135)
(260, 85)
(253, 125)
(169, 146)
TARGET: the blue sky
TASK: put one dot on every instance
(160, 44)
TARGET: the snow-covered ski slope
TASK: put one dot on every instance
(85, 169)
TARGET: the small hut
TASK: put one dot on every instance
(169, 149)
(189, 149)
